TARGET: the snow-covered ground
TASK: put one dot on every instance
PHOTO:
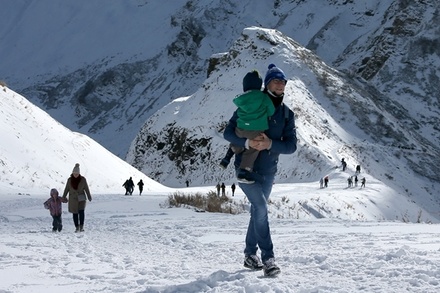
(335, 239)
(134, 244)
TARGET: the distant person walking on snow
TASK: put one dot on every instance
(130, 186)
(344, 164)
(363, 182)
(321, 183)
(358, 169)
(53, 204)
(223, 187)
(218, 189)
(78, 191)
(126, 185)
(326, 181)
(233, 188)
(350, 181)
(140, 184)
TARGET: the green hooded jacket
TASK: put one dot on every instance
(254, 109)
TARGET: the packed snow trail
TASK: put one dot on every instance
(131, 244)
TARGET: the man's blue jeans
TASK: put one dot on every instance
(258, 232)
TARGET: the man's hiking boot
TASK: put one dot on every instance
(270, 269)
(244, 176)
(252, 262)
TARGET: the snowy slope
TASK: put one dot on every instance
(117, 64)
(131, 244)
(38, 153)
(186, 137)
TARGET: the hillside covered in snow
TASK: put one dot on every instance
(153, 83)
(102, 70)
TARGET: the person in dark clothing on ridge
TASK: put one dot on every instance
(141, 186)
(126, 185)
(218, 189)
(344, 164)
(130, 186)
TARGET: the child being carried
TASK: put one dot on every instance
(254, 109)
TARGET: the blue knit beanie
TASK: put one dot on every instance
(273, 72)
(252, 81)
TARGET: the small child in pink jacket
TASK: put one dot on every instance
(53, 204)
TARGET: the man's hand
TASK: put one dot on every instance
(261, 142)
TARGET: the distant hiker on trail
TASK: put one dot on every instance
(321, 183)
(53, 204)
(363, 182)
(355, 180)
(358, 169)
(344, 164)
(233, 188)
(79, 192)
(326, 181)
(140, 184)
(280, 138)
(187, 183)
(350, 181)
(254, 108)
(126, 185)
(223, 187)
(218, 189)
(131, 186)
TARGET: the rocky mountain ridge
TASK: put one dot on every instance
(324, 102)
(382, 87)
(390, 44)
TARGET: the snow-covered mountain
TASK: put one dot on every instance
(37, 153)
(184, 139)
(107, 70)
(103, 70)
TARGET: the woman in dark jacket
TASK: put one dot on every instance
(78, 191)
